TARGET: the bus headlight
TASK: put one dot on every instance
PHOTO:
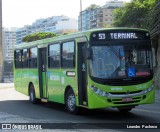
(99, 91)
(149, 89)
(145, 91)
(93, 88)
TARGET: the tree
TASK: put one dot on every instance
(134, 14)
(92, 7)
(38, 36)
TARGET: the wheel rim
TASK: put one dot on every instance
(71, 102)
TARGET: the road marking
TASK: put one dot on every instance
(149, 111)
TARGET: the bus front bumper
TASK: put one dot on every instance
(144, 97)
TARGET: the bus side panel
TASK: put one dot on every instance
(22, 79)
(17, 79)
(71, 81)
(57, 83)
(33, 78)
(54, 85)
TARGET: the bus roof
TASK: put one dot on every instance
(71, 36)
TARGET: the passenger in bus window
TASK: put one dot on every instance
(129, 59)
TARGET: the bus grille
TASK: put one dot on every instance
(118, 93)
(133, 81)
(134, 100)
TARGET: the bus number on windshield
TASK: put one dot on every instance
(102, 36)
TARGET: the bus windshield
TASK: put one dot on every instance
(120, 60)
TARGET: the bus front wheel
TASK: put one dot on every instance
(70, 102)
(32, 96)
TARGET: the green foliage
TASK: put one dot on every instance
(134, 14)
(92, 7)
(65, 33)
(38, 36)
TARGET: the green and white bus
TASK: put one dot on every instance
(93, 69)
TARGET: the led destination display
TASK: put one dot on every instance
(119, 35)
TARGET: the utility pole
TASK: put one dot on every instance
(1, 52)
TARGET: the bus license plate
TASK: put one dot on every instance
(127, 99)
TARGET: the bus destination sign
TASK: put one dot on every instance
(123, 36)
(100, 36)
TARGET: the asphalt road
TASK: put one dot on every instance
(15, 108)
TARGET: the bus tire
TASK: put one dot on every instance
(32, 96)
(124, 110)
(70, 102)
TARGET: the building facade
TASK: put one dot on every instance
(114, 4)
(99, 17)
(9, 41)
(56, 24)
(85, 20)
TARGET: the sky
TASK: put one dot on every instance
(17, 13)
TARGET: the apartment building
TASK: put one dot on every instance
(57, 24)
(99, 17)
(9, 41)
(85, 20)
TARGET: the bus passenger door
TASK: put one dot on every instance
(82, 75)
(42, 66)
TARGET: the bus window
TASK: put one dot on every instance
(54, 56)
(68, 55)
(25, 58)
(33, 57)
(18, 57)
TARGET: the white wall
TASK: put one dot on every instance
(69, 24)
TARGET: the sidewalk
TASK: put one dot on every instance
(6, 85)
